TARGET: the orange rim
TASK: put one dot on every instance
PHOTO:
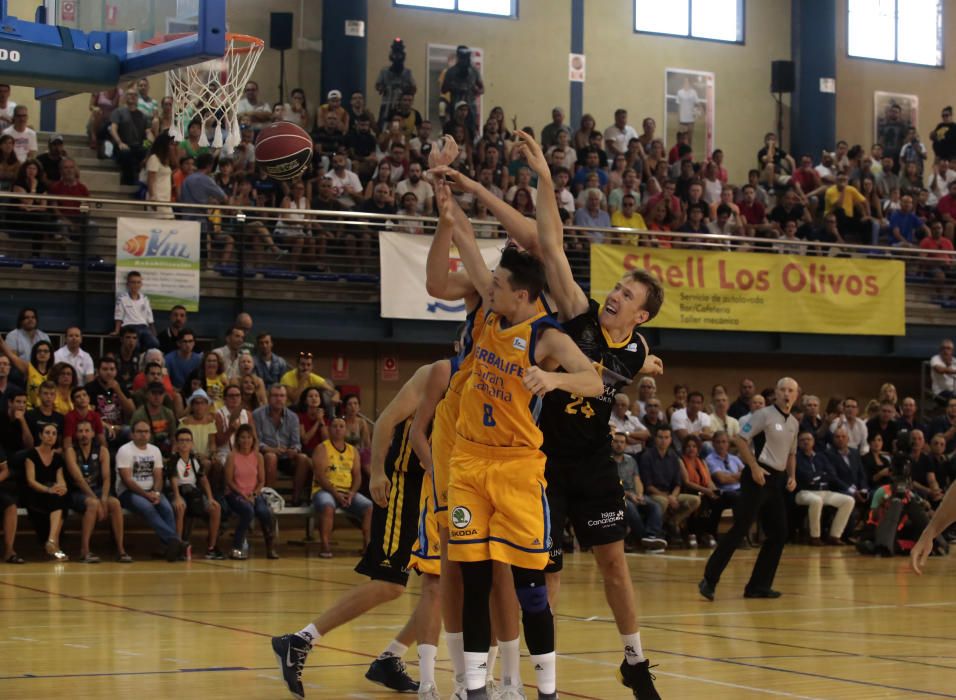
(252, 42)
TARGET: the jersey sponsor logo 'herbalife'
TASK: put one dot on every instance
(460, 517)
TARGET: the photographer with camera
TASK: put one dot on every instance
(897, 511)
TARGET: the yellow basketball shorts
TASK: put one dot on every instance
(443, 442)
(497, 507)
(426, 554)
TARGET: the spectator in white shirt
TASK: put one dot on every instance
(134, 311)
(623, 421)
(75, 356)
(22, 338)
(942, 368)
(415, 184)
(939, 181)
(562, 176)
(646, 390)
(249, 107)
(720, 420)
(348, 187)
(231, 350)
(692, 421)
(24, 138)
(619, 134)
(855, 428)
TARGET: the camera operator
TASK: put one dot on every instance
(897, 511)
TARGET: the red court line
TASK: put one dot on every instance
(225, 627)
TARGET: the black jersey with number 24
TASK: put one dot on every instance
(575, 426)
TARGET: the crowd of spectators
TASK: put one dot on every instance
(171, 433)
(896, 193)
(680, 468)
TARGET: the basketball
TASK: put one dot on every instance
(284, 150)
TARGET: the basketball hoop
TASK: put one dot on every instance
(210, 91)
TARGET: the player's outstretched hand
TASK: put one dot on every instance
(539, 382)
(920, 552)
(445, 154)
(526, 145)
(460, 180)
(444, 200)
(653, 365)
(378, 487)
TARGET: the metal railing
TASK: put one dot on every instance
(71, 243)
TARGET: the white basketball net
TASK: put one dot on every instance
(210, 91)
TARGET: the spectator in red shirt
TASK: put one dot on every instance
(671, 202)
(752, 212)
(806, 181)
(946, 210)
(675, 153)
(718, 159)
(68, 214)
(938, 265)
(81, 411)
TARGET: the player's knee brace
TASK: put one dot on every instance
(538, 622)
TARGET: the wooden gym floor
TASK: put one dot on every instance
(847, 627)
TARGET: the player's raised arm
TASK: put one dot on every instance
(436, 383)
(398, 409)
(440, 282)
(556, 349)
(522, 229)
(566, 293)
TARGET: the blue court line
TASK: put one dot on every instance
(211, 669)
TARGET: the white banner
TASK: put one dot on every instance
(167, 253)
(403, 257)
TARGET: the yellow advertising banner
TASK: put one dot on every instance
(733, 291)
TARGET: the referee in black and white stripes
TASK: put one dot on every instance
(771, 433)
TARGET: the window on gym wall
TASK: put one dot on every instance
(718, 20)
(904, 31)
(499, 8)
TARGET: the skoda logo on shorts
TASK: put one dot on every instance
(460, 517)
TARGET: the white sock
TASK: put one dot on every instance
(510, 662)
(545, 672)
(395, 648)
(309, 634)
(427, 653)
(633, 651)
(456, 650)
(475, 669)
(492, 657)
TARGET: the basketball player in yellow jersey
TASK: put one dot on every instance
(498, 512)
(395, 484)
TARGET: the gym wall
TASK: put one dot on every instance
(858, 78)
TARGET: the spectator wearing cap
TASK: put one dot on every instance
(464, 84)
(53, 158)
(202, 425)
(549, 134)
(161, 420)
(333, 106)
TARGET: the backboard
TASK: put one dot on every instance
(199, 27)
(75, 46)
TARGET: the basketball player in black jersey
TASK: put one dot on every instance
(396, 488)
(583, 483)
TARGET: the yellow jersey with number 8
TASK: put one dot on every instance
(340, 467)
(496, 409)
